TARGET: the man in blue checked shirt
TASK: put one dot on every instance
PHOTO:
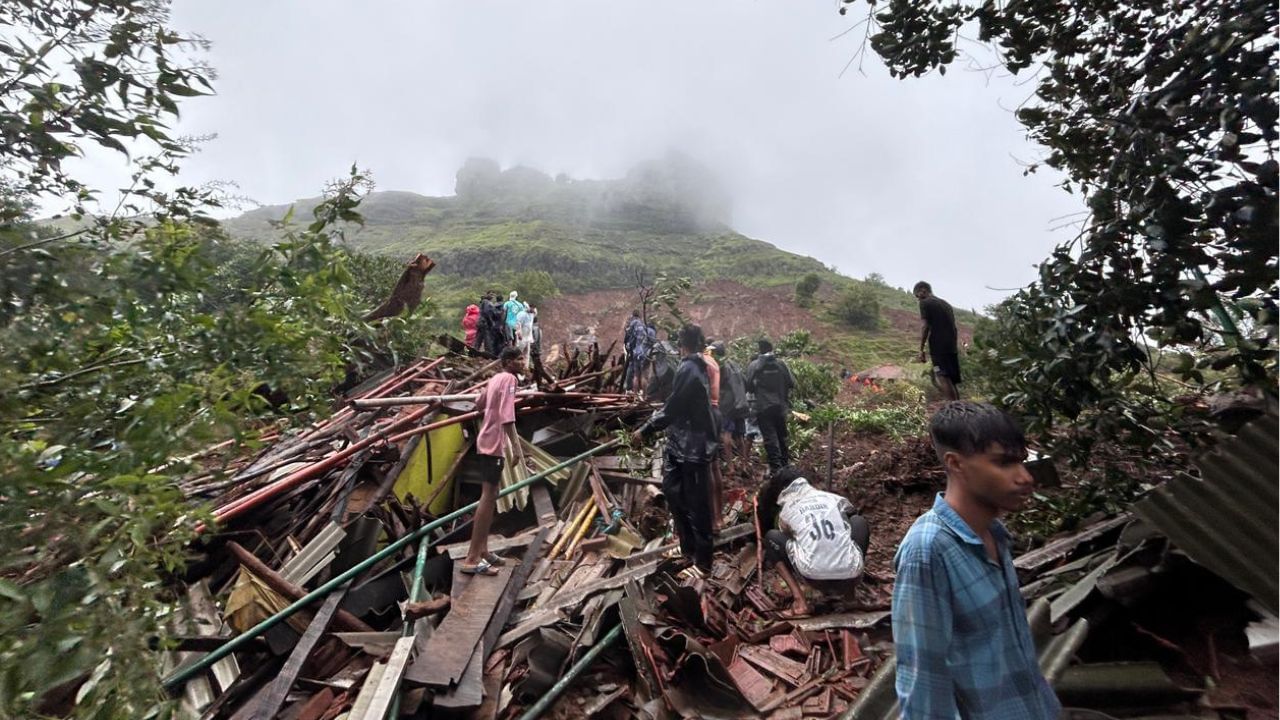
(959, 623)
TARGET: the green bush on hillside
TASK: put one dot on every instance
(805, 289)
(859, 307)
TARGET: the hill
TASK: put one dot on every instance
(591, 236)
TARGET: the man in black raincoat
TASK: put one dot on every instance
(690, 449)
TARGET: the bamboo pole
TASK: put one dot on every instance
(568, 531)
(582, 531)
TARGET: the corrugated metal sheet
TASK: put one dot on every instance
(1227, 520)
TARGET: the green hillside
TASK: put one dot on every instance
(664, 216)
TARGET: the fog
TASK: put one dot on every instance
(913, 179)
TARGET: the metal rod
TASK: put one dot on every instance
(415, 591)
(547, 700)
(183, 674)
(381, 402)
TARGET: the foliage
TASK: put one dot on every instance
(815, 383)
(535, 286)
(858, 307)
(125, 353)
(76, 72)
(1163, 117)
(876, 279)
(797, 343)
(805, 289)
(669, 292)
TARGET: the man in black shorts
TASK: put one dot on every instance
(938, 330)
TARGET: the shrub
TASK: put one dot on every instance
(805, 289)
(859, 308)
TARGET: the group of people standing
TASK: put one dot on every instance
(963, 643)
(492, 326)
(704, 417)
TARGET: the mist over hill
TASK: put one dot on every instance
(666, 215)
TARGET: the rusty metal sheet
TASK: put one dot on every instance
(449, 650)
(1227, 520)
(789, 644)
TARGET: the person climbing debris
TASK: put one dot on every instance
(524, 332)
(938, 330)
(812, 536)
(717, 477)
(771, 381)
(689, 449)
(497, 405)
(632, 334)
(734, 406)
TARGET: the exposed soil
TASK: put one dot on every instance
(724, 309)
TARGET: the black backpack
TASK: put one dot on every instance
(733, 391)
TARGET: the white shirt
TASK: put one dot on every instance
(821, 544)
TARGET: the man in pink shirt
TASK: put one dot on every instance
(497, 431)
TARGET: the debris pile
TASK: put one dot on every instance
(329, 585)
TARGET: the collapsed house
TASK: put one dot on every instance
(328, 585)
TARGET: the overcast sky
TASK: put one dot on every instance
(914, 179)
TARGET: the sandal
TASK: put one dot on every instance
(481, 568)
(494, 559)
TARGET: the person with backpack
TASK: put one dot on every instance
(689, 449)
(734, 407)
(772, 382)
(717, 477)
(491, 311)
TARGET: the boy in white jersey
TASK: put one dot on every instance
(813, 534)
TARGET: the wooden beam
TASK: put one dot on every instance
(343, 619)
(271, 703)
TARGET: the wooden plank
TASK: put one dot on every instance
(502, 612)
(449, 650)
(542, 505)
(388, 683)
(550, 613)
(457, 551)
(469, 692)
(271, 703)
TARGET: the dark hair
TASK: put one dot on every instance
(691, 338)
(922, 285)
(635, 313)
(510, 353)
(764, 346)
(767, 499)
(971, 428)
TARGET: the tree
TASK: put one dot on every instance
(859, 307)
(1163, 117)
(126, 344)
(805, 289)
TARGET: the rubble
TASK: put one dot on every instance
(328, 586)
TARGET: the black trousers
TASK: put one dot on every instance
(497, 340)
(686, 488)
(773, 431)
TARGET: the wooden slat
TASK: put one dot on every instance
(550, 612)
(271, 703)
(449, 650)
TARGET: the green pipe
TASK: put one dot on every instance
(415, 592)
(183, 674)
(546, 701)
